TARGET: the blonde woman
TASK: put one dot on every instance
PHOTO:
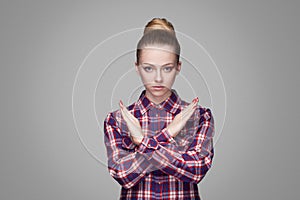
(159, 147)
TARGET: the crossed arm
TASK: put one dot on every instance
(130, 165)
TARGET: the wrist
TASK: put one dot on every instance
(170, 131)
(137, 140)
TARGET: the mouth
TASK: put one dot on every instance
(158, 87)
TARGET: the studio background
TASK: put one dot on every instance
(255, 45)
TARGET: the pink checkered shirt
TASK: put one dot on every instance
(161, 167)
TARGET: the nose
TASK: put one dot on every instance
(158, 77)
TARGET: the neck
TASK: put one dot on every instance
(157, 100)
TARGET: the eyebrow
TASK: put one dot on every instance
(155, 65)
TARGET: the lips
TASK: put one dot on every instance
(158, 86)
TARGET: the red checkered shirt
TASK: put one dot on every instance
(161, 167)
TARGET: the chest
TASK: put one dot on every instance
(154, 120)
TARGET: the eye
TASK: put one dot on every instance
(148, 69)
(168, 69)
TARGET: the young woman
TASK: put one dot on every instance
(159, 147)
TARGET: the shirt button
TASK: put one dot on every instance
(156, 115)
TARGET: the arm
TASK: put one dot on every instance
(190, 165)
(125, 166)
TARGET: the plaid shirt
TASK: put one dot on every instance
(161, 167)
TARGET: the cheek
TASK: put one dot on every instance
(170, 78)
(146, 77)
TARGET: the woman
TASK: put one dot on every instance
(159, 147)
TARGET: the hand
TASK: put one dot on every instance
(180, 119)
(133, 125)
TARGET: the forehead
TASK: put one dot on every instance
(158, 55)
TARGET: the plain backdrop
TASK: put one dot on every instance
(255, 44)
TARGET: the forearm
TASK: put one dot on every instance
(189, 165)
(124, 164)
(128, 170)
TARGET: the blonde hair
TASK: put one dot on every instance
(158, 31)
(159, 23)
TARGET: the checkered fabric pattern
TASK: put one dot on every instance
(161, 167)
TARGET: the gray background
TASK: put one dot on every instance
(255, 44)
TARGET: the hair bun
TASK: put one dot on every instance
(159, 23)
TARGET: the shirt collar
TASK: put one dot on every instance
(172, 104)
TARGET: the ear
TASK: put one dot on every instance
(137, 68)
(178, 67)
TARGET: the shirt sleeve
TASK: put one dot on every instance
(190, 165)
(125, 165)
